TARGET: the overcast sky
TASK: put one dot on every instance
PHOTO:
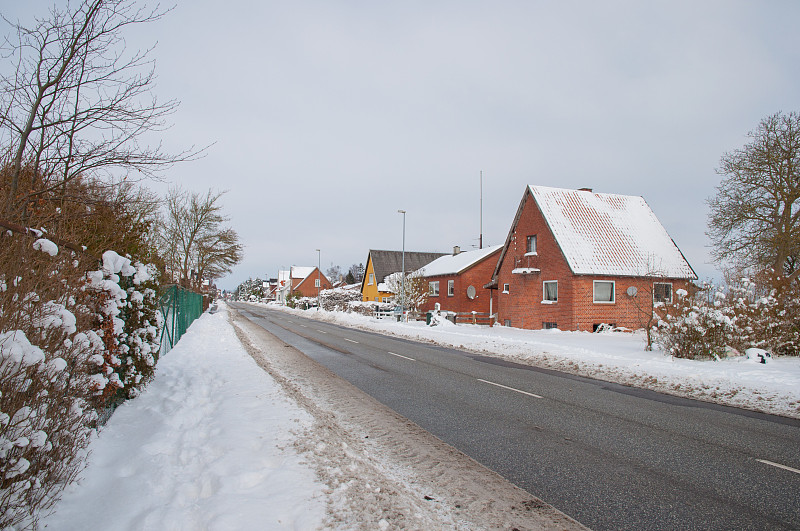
(327, 117)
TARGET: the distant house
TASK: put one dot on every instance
(270, 289)
(456, 281)
(381, 264)
(307, 281)
(574, 259)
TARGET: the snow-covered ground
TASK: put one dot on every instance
(248, 434)
(208, 445)
(618, 357)
(222, 439)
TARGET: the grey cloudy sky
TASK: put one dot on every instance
(328, 117)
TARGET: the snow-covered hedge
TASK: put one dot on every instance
(70, 341)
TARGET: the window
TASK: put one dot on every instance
(550, 291)
(316, 282)
(451, 288)
(506, 288)
(662, 292)
(506, 322)
(530, 248)
(371, 279)
(603, 291)
(549, 325)
(384, 299)
(433, 288)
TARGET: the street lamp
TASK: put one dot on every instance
(404, 259)
(319, 283)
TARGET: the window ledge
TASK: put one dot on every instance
(549, 302)
(533, 253)
(525, 271)
(504, 292)
(604, 302)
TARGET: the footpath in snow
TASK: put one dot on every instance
(617, 357)
(208, 445)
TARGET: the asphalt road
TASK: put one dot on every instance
(610, 456)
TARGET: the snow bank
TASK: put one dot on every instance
(207, 445)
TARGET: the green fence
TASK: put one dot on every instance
(179, 307)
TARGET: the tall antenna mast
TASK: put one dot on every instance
(480, 239)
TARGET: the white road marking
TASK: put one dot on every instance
(322, 331)
(510, 388)
(350, 340)
(778, 465)
(401, 356)
(304, 326)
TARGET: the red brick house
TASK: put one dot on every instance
(304, 281)
(574, 259)
(456, 281)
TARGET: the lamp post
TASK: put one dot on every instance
(404, 259)
(319, 283)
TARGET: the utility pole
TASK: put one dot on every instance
(404, 259)
(480, 238)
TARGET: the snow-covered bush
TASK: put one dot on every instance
(767, 311)
(140, 340)
(762, 313)
(45, 417)
(368, 307)
(694, 327)
(128, 323)
(70, 341)
(338, 299)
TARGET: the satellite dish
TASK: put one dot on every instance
(632, 291)
(471, 292)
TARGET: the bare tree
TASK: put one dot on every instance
(755, 216)
(413, 292)
(194, 244)
(77, 103)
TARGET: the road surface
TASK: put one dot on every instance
(610, 456)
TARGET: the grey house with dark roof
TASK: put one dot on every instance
(381, 264)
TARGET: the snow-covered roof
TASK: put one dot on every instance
(302, 271)
(450, 264)
(609, 234)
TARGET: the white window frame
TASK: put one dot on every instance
(316, 282)
(613, 291)
(433, 288)
(384, 299)
(371, 280)
(671, 292)
(451, 288)
(545, 300)
(506, 288)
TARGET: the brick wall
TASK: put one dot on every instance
(308, 287)
(478, 275)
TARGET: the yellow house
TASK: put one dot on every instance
(381, 264)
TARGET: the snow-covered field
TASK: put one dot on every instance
(618, 357)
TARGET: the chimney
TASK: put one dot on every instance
(585, 190)
(456, 250)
